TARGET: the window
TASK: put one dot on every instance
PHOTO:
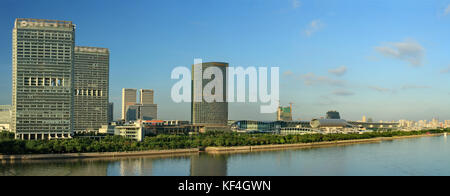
(33, 81)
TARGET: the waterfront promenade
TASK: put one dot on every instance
(211, 150)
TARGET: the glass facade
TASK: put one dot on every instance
(213, 113)
(91, 88)
(42, 78)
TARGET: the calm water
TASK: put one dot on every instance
(417, 156)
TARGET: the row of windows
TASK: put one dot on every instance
(88, 92)
(40, 56)
(40, 33)
(34, 51)
(39, 37)
(23, 62)
(36, 81)
(34, 44)
(28, 45)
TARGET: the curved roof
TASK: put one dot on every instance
(316, 123)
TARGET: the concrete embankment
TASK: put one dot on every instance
(305, 145)
(96, 155)
(196, 150)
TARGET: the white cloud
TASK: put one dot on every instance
(408, 50)
(343, 93)
(313, 27)
(310, 79)
(447, 10)
(445, 70)
(379, 89)
(326, 100)
(407, 87)
(403, 88)
(288, 73)
(338, 71)
(296, 4)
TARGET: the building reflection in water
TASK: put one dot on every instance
(208, 165)
(55, 168)
(131, 167)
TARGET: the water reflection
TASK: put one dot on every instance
(55, 168)
(416, 156)
(208, 165)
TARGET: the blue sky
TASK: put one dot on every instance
(387, 60)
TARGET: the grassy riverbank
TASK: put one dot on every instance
(9, 146)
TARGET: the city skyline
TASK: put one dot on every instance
(390, 69)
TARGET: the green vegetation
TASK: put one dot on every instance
(8, 145)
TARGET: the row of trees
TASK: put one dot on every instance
(9, 145)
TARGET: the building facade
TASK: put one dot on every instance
(148, 110)
(284, 113)
(208, 113)
(5, 117)
(333, 115)
(110, 112)
(128, 99)
(146, 96)
(144, 110)
(5, 114)
(42, 78)
(91, 83)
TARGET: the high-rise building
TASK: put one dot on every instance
(144, 110)
(110, 112)
(284, 113)
(132, 113)
(364, 119)
(148, 112)
(333, 115)
(213, 113)
(42, 78)
(128, 99)
(91, 85)
(141, 112)
(146, 96)
(5, 114)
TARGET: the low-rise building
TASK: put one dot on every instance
(108, 129)
(5, 117)
(133, 131)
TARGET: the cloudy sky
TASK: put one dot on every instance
(387, 60)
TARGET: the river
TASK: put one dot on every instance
(402, 157)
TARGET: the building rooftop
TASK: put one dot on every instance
(43, 23)
(86, 49)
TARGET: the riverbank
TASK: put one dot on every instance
(212, 150)
(97, 155)
(225, 150)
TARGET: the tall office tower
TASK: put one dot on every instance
(147, 109)
(110, 112)
(213, 113)
(146, 96)
(148, 112)
(132, 113)
(42, 78)
(333, 115)
(284, 113)
(128, 99)
(91, 85)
